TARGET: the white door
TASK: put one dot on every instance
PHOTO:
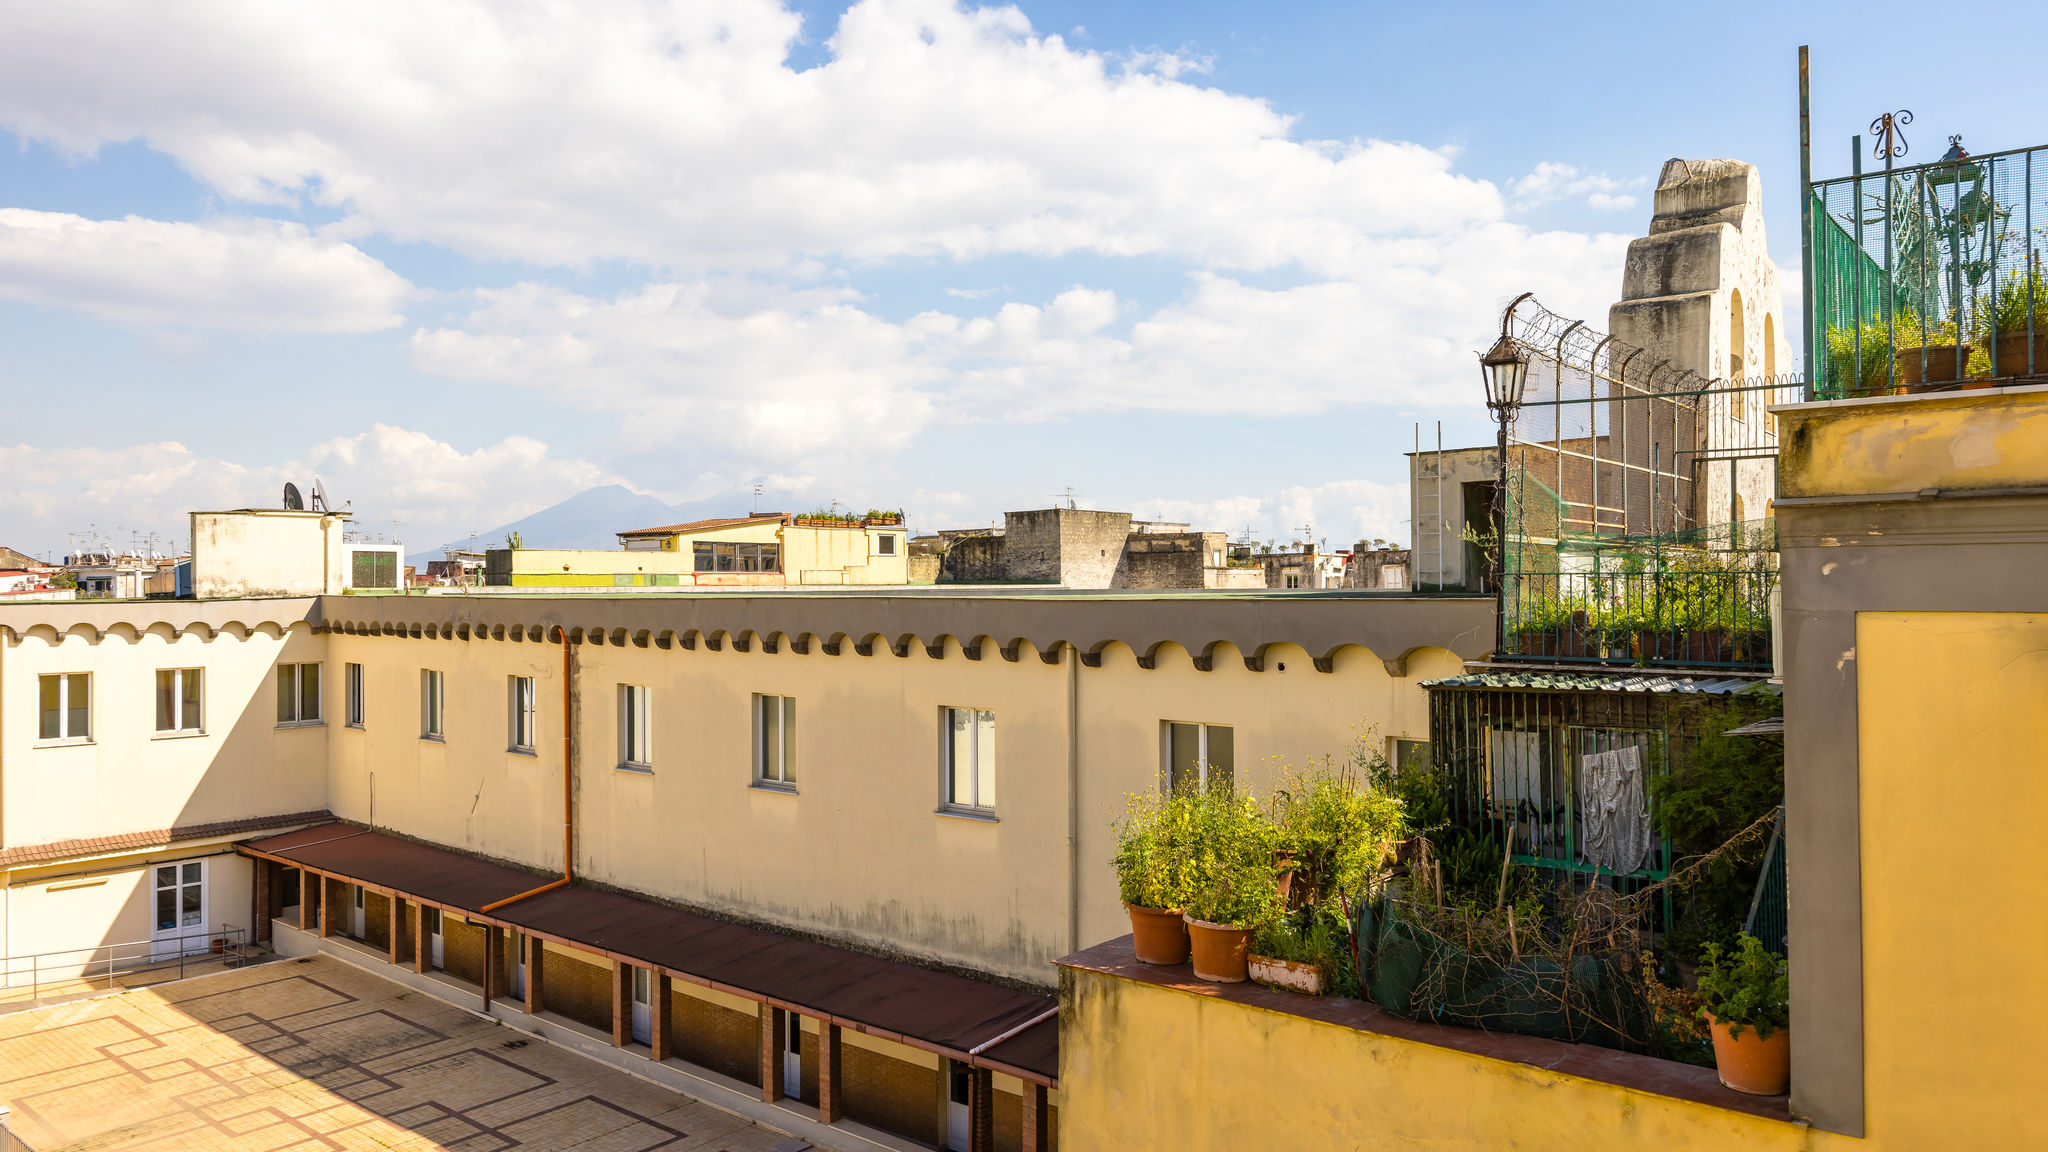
(518, 965)
(180, 905)
(792, 1055)
(959, 1124)
(434, 934)
(356, 919)
(643, 1006)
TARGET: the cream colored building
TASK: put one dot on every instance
(771, 549)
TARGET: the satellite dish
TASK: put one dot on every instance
(292, 502)
(319, 496)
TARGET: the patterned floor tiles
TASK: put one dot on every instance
(315, 1054)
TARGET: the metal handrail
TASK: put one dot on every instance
(42, 967)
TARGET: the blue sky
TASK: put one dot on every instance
(1201, 261)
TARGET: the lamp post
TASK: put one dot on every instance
(1505, 370)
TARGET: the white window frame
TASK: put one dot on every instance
(1202, 764)
(297, 673)
(433, 705)
(65, 682)
(775, 762)
(981, 778)
(182, 724)
(352, 703)
(519, 713)
(636, 748)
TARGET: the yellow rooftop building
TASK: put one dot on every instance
(768, 548)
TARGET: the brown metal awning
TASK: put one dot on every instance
(936, 1011)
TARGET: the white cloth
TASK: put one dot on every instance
(1613, 812)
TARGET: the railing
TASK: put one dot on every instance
(68, 968)
(1672, 616)
(9, 1142)
(1928, 277)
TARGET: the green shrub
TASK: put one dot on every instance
(1745, 990)
(1337, 829)
(1154, 859)
(1231, 876)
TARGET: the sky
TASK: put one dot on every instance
(1204, 262)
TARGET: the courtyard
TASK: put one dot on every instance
(316, 1054)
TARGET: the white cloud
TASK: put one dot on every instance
(245, 275)
(1551, 181)
(434, 491)
(1338, 513)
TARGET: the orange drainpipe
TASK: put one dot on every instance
(568, 823)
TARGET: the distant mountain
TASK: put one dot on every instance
(594, 518)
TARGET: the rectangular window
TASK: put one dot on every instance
(709, 556)
(1411, 754)
(430, 704)
(633, 747)
(66, 706)
(775, 740)
(1197, 755)
(352, 680)
(298, 693)
(702, 551)
(886, 544)
(970, 743)
(520, 707)
(177, 700)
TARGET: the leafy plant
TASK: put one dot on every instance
(1337, 830)
(2019, 294)
(1718, 786)
(883, 514)
(513, 541)
(1317, 935)
(1155, 851)
(1231, 876)
(1746, 989)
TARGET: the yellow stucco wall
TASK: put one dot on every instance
(810, 555)
(988, 894)
(1148, 1067)
(1983, 439)
(267, 552)
(1953, 719)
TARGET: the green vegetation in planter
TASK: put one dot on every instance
(2010, 312)
(1155, 843)
(1337, 831)
(1746, 989)
(1231, 878)
(1842, 347)
(883, 514)
(1318, 935)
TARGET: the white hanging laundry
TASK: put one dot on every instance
(1614, 815)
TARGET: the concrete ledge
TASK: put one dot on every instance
(721, 1092)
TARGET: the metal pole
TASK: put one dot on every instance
(1856, 211)
(2029, 265)
(1500, 541)
(1813, 373)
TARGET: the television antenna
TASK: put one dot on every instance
(754, 507)
(1068, 496)
(293, 502)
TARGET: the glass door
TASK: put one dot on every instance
(518, 947)
(180, 905)
(792, 1055)
(643, 1005)
(958, 1123)
(357, 924)
(433, 916)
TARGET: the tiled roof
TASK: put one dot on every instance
(700, 525)
(1634, 680)
(156, 838)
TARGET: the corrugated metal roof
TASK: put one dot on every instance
(1634, 680)
(937, 1008)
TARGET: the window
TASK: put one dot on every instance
(66, 706)
(352, 679)
(1294, 579)
(1197, 755)
(886, 544)
(430, 704)
(1410, 754)
(520, 708)
(633, 750)
(775, 740)
(714, 557)
(298, 693)
(970, 758)
(177, 700)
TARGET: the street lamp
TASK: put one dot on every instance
(1505, 370)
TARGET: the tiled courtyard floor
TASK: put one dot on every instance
(315, 1054)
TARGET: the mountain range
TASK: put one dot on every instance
(594, 517)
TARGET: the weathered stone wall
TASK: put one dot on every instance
(974, 560)
(1072, 547)
(1163, 560)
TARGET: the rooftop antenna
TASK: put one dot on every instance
(1068, 496)
(293, 502)
(754, 507)
(319, 496)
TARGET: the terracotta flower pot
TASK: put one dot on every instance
(1752, 1065)
(1158, 936)
(2012, 352)
(1946, 363)
(1289, 974)
(1219, 951)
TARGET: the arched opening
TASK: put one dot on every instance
(1736, 344)
(1770, 346)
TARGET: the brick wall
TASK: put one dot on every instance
(462, 949)
(580, 990)
(377, 920)
(715, 1037)
(893, 1095)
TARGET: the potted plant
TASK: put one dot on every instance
(1153, 857)
(1929, 355)
(2004, 327)
(1743, 999)
(1231, 886)
(1299, 951)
